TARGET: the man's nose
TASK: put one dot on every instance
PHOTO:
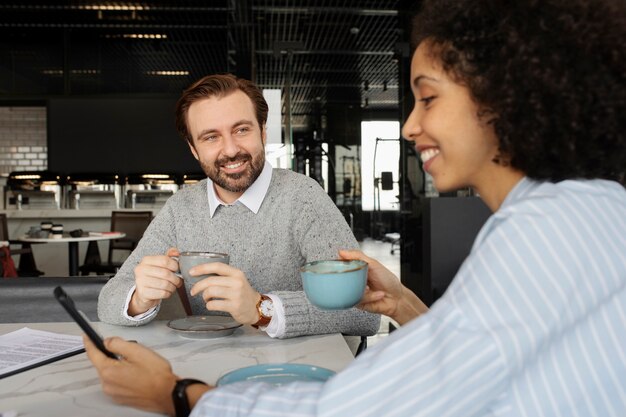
(230, 147)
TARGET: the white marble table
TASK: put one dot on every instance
(70, 387)
(73, 244)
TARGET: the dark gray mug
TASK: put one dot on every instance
(188, 260)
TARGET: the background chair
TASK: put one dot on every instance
(395, 240)
(31, 300)
(134, 224)
(26, 266)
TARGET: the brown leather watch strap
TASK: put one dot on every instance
(263, 320)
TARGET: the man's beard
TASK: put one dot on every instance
(240, 181)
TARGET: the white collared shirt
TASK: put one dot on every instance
(252, 198)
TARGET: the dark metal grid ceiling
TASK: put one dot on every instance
(336, 52)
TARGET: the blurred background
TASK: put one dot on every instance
(89, 87)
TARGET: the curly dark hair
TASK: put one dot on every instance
(551, 73)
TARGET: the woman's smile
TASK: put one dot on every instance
(427, 156)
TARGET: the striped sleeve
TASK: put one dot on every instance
(435, 366)
(297, 399)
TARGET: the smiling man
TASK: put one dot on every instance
(231, 153)
(269, 221)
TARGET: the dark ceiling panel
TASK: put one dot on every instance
(333, 51)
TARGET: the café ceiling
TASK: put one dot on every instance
(331, 52)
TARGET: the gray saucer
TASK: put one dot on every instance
(204, 327)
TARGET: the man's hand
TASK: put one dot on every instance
(155, 280)
(229, 291)
(384, 293)
(142, 379)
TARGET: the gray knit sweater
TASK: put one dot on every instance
(297, 223)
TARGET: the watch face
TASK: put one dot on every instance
(267, 308)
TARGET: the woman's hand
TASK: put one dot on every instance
(141, 379)
(384, 293)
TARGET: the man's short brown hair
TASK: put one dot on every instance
(218, 85)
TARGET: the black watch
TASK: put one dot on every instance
(179, 395)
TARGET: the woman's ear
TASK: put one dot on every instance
(502, 159)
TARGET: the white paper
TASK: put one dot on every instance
(25, 347)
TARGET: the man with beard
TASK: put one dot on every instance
(269, 221)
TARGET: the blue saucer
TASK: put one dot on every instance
(277, 374)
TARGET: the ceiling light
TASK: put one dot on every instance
(101, 7)
(73, 72)
(137, 36)
(52, 72)
(168, 73)
(85, 72)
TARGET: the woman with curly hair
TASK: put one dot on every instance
(524, 102)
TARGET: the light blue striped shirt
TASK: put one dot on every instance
(534, 324)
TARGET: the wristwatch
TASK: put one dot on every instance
(265, 307)
(179, 395)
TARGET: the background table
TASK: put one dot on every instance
(73, 245)
(71, 387)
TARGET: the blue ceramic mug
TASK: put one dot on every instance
(334, 284)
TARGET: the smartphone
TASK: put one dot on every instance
(80, 318)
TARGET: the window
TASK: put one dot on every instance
(380, 146)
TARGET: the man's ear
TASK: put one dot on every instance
(264, 134)
(193, 150)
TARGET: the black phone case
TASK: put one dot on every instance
(67, 303)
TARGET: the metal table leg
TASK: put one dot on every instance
(73, 265)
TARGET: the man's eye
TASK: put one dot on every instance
(243, 130)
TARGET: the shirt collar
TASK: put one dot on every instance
(520, 190)
(252, 198)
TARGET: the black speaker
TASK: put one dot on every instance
(386, 180)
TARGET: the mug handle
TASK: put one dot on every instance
(182, 292)
(177, 273)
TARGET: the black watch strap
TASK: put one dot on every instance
(179, 395)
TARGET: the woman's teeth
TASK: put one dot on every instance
(429, 153)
